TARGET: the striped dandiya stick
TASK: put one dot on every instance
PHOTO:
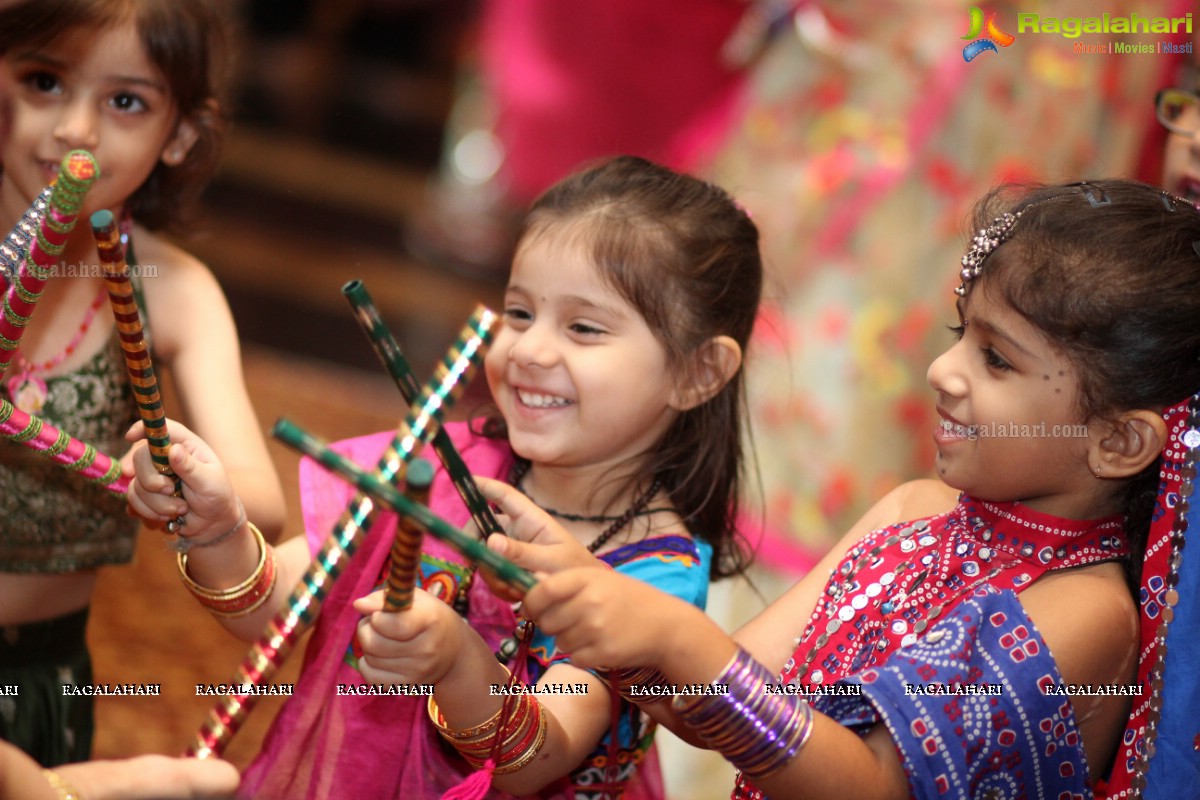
(388, 350)
(133, 339)
(15, 246)
(304, 603)
(406, 546)
(42, 437)
(76, 175)
(419, 515)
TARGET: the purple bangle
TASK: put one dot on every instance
(757, 732)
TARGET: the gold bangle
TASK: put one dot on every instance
(246, 596)
(534, 748)
(64, 790)
(483, 730)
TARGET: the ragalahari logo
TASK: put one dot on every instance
(994, 36)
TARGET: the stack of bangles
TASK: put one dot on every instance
(652, 682)
(520, 739)
(248, 595)
(757, 732)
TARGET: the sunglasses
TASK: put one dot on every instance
(1178, 111)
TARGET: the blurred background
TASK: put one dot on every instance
(396, 142)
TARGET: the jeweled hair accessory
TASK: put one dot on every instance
(986, 241)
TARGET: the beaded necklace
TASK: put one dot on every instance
(890, 587)
(29, 391)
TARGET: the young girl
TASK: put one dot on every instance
(618, 378)
(135, 84)
(1076, 335)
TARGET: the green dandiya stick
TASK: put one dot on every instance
(76, 175)
(304, 603)
(406, 546)
(390, 354)
(383, 492)
(133, 339)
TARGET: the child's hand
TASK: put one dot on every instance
(607, 620)
(418, 645)
(535, 540)
(208, 503)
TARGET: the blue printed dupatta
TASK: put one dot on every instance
(974, 707)
(1022, 741)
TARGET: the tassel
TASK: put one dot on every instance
(475, 787)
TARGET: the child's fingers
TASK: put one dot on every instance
(528, 522)
(553, 590)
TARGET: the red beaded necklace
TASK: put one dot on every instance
(27, 390)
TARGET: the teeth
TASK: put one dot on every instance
(956, 429)
(534, 400)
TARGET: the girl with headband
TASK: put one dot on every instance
(136, 85)
(978, 634)
(618, 377)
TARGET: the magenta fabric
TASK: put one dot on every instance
(327, 746)
(574, 82)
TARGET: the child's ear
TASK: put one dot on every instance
(187, 132)
(1123, 447)
(713, 365)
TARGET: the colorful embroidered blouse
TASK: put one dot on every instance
(53, 520)
(900, 580)
(332, 733)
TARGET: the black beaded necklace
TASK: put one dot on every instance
(638, 508)
(511, 646)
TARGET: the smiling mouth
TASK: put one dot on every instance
(538, 400)
(956, 430)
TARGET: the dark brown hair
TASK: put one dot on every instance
(686, 256)
(1109, 270)
(186, 40)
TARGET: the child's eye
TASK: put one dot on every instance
(994, 360)
(584, 329)
(41, 81)
(129, 103)
(958, 330)
(516, 315)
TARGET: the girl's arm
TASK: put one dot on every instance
(430, 643)
(150, 776)
(604, 618)
(215, 561)
(194, 336)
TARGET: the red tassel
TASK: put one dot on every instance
(475, 787)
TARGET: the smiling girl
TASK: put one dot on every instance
(618, 375)
(958, 620)
(135, 83)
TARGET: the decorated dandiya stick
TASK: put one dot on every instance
(76, 175)
(133, 339)
(390, 354)
(304, 603)
(393, 498)
(15, 246)
(406, 546)
(42, 437)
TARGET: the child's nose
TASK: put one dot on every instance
(77, 126)
(534, 347)
(945, 375)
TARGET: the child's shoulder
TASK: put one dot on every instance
(182, 295)
(912, 500)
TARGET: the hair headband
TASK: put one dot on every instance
(1000, 230)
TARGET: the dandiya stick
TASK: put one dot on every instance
(388, 350)
(393, 498)
(76, 175)
(42, 437)
(133, 339)
(15, 246)
(406, 547)
(304, 603)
